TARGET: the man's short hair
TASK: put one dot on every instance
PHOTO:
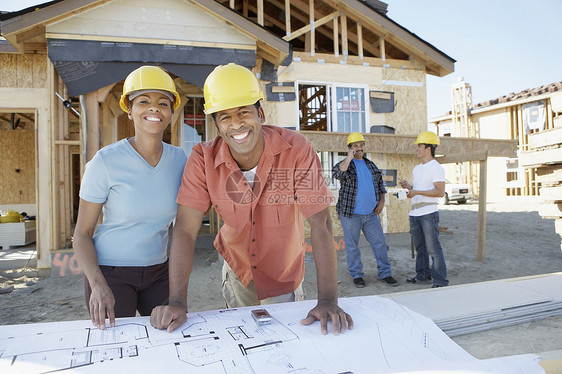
(432, 147)
(256, 104)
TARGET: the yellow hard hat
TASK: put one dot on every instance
(230, 86)
(427, 137)
(355, 137)
(11, 216)
(148, 78)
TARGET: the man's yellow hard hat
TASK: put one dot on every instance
(230, 86)
(148, 78)
(355, 137)
(427, 137)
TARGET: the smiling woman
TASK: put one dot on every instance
(135, 181)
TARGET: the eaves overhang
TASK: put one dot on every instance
(32, 20)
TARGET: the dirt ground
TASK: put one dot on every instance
(518, 243)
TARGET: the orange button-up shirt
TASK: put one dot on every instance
(262, 237)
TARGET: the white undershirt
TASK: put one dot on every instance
(250, 175)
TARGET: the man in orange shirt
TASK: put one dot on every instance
(260, 179)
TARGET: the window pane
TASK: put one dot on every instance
(313, 114)
(350, 109)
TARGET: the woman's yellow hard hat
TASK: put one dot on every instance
(148, 78)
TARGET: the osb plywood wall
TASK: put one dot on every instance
(17, 167)
(396, 210)
(410, 112)
(23, 71)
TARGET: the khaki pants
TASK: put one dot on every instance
(236, 295)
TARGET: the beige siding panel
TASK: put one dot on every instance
(23, 71)
(17, 167)
(39, 71)
(329, 73)
(410, 112)
(396, 210)
(494, 124)
(281, 113)
(8, 70)
(164, 19)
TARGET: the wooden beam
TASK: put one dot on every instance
(404, 144)
(538, 158)
(31, 33)
(113, 105)
(551, 194)
(401, 37)
(191, 43)
(260, 12)
(380, 95)
(545, 138)
(283, 89)
(67, 142)
(462, 157)
(336, 36)
(344, 42)
(307, 28)
(288, 18)
(549, 174)
(35, 47)
(550, 210)
(93, 125)
(312, 32)
(481, 234)
(381, 48)
(245, 26)
(360, 40)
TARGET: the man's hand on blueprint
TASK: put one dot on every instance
(168, 317)
(326, 310)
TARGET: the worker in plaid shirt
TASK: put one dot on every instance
(361, 199)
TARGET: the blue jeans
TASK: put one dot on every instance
(372, 229)
(425, 234)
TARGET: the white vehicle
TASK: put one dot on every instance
(459, 192)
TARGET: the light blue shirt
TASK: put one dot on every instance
(139, 203)
(366, 198)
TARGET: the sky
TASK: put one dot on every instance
(501, 46)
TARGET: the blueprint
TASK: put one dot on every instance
(387, 338)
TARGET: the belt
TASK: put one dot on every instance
(422, 204)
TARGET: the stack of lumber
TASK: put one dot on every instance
(475, 307)
(545, 154)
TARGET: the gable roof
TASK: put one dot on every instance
(27, 26)
(521, 95)
(380, 36)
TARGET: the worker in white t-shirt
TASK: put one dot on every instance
(428, 186)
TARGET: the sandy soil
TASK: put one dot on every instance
(518, 243)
